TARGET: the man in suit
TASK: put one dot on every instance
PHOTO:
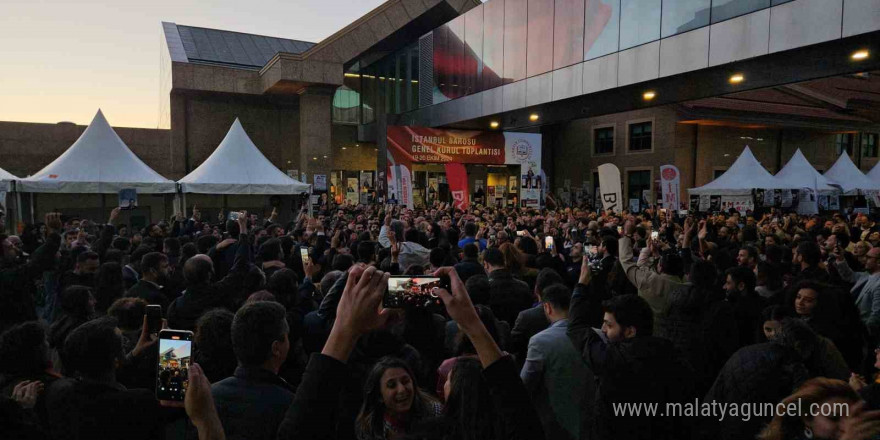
(507, 295)
(866, 291)
(554, 372)
(154, 272)
(531, 321)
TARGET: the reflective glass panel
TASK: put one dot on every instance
(639, 22)
(441, 64)
(540, 37)
(515, 39)
(601, 27)
(684, 15)
(568, 33)
(493, 43)
(473, 50)
(726, 9)
(455, 43)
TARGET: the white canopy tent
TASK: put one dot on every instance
(6, 180)
(845, 174)
(745, 174)
(238, 167)
(874, 174)
(798, 173)
(97, 163)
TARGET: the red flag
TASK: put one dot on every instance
(458, 184)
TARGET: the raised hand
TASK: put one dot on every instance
(53, 222)
(26, 393)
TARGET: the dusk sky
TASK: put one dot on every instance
(63, 59)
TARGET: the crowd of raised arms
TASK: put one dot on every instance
(550, 324)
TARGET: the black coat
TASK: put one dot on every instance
(758, 373)
(149, 292)
(529, 322)
(642, 369)
(196, 300)
(86, 409)
(702, 326)
(251, 404)
(468, 268)
(508, 296)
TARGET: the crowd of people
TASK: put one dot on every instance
(552, 323)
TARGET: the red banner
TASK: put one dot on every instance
(430, 145)
(456, 175)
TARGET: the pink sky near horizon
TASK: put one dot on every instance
(63, 59)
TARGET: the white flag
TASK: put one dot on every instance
(609, 187)
(670, 181)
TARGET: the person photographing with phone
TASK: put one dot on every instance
(866, 288)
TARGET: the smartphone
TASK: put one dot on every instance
(548, 243)
(128, 199)
(413, 291)
(655, 235)
(154, 318)
(620, 229)
(172, 370)
(520, 233)
(233, 216)
(304, 254)
(594, 250)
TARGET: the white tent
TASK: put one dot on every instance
(238, 167)
(6, 180)
(798, 173)
(98, 162)
(845, 173)
(745, 174)
(874, 174)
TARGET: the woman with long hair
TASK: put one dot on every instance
(840, 415)
(393, 402)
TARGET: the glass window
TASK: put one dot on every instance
(400, 92)
(869, 145)
(414, 77)
(540, 37)
(455, 43)
(684, 15)
(844, 142)
(441, 65)
(515, 40)
(603, 140)
(568, 33)
(347, 99)
(493, 43)
(727, 9)
(639, 22)
(717, 173)
(640, 136)
(595, 184)
(637, 181)
(473, 50)
(368, 101)
(601, 27)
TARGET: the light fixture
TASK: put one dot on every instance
(860, 55)
(314, 158)
(325, 157)
(494, 124)
(649, 95)
(737, 78)
(533, 117)
(343, 148)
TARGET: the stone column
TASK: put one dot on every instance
(315, 117)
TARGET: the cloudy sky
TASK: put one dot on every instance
(64, 59)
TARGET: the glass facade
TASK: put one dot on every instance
(844, 142)
(869, 145)
(684, 15)
(727, 9)
(637, 182)
(603, 140)
(504, 41)
(639, 22)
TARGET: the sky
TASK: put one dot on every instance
(64, 59)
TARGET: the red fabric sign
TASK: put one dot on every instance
(408, 145)
(458, 184)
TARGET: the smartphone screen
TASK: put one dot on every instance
(412, 291)
(654, 235)
(620, 229)
(304, 254)
(520, 233)
(233, 216)
(594, 250)
(548, 243)
(172, 372)
(154, 318)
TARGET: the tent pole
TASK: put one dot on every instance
(32, 208)
(309, 201)
(103, 206)
(19, 213)
(184, 204)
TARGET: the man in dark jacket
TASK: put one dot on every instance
(470, 265)
(632, 366)
(806, 258)
(201, 294)
(531, 321)
(758, 374)
(92, 404)
(507, 295)
(252, 403)
(154, 272)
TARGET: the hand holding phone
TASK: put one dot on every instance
(304, 254)
(548, 243)
(172, 370)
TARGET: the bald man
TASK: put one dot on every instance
(866, 291)
(203, 293)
